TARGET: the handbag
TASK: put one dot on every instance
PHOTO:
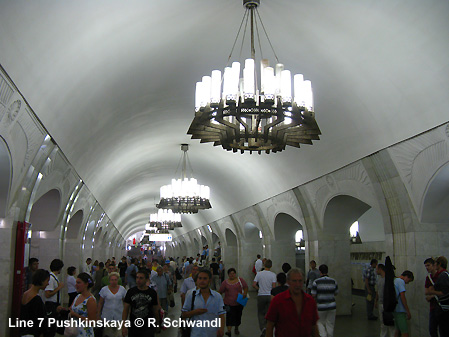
(186, 331)
(240, 299)
(71, 331)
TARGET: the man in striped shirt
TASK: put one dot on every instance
(324, 290)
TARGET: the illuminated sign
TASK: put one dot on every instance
(160, 237)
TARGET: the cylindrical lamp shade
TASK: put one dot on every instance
(286, 86)
(215, 86)
(248, 77)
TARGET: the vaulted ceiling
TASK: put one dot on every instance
(113, 82)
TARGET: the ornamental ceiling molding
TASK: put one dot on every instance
(418, 159)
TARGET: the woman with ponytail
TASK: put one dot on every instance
(84, 306)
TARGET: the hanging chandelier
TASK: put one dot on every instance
(184, 195)
(165, 219)
(240, 115)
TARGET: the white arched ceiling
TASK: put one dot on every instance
(113, 83)
(5, 177)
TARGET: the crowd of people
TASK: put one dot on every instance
(289, 303)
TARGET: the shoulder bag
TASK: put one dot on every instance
(186, 331)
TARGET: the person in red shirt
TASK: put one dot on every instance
(293, 312)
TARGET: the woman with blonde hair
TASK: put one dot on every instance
(110, 305)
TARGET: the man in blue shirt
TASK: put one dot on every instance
(402, 312)
(189, 283)
(208, 308)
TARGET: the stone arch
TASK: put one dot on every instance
(196, 247)
(45, 211)
(74, 225)
(203, 241)
(283, 248)
(5, 177)
(334, 243)
(252, 246)
(230, 251)
(435, 202)
(341, 212)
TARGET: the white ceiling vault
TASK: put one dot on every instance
(113, 81)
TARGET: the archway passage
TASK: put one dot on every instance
(250, 247)
(45, 211)
(335, 248)
(230, 250)
(283, 248)
(5, 177)
(435, 207)
(74, 225)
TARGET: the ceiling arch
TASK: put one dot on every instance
(115, 89)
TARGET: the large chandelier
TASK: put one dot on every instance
(184, 195)
(240, 115)
(164, 219)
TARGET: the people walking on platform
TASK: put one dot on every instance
(312, 275)
(33, 265)
(110, 305)
(71, 281)
(293, 312)
(281, 279)
(205, 305)
(215, 269)
(140, 302)
(131, 273)
(402, 312)
(231, 288)
(32, 308)
(53, 293)
(441, 290)
(324, 290)
(164, 287)
(84, 306)
(264, 281)
(189, 283)
(385, 330)
(370, 278)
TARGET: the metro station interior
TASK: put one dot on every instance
(96, 98)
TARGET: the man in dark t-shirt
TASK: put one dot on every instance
(122, 268)
(215, 269)
(281, 279)
(141, 303)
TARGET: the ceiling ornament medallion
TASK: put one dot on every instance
(184, 195)
(240, 115)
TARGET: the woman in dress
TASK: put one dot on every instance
(33, 308)
(110, 305)
(231, 288)
(84, 306)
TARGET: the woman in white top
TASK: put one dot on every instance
(110, 305)
(71, 281)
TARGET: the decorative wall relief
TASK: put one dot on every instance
(6, 92)
(12, 113)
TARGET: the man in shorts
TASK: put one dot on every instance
(402, 312)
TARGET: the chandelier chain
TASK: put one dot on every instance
(266, 34)
(236, 38)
